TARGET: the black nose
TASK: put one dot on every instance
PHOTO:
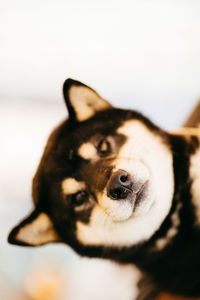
(120, 185)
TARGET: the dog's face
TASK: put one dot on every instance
(105, 178)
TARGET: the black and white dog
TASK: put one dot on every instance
(113, 185)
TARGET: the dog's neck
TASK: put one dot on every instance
(186, 151)
(194, 173)
(174, 255)
(185, 212)
(169, 257)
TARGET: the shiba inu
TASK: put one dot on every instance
(113, 185)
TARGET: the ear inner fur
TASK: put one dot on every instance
(35, 230)
(82, 101)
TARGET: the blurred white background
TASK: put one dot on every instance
(140, 54)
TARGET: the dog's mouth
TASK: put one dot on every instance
(140, 195)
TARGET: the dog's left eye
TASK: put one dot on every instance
(79, 198)
(104, 147)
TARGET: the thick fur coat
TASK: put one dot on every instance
(113, 185)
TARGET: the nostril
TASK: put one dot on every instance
(123, 178)
(119, 193)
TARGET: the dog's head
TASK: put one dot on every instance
(105, 178)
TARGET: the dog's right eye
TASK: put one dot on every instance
(79, 198)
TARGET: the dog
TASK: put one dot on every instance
(111, 184)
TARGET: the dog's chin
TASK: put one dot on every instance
(134, 205)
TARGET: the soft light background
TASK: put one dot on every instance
(140, 54)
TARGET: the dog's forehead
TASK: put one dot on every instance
(102, 123)
(70, 145)
(81, 138)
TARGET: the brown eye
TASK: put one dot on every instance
(104, 147)
(79, 198)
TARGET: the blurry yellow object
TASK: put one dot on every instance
(44, 282)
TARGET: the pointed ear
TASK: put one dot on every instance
(37, 229)
(82, 101)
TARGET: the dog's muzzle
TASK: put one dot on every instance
(122, 186)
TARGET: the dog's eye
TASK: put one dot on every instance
(79, 198)
(104, 147)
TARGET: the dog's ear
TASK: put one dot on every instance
(82, 101)
(37, 229)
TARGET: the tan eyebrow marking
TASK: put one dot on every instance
(71, 186)
(88, 151)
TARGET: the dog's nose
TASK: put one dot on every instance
(120, 185)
